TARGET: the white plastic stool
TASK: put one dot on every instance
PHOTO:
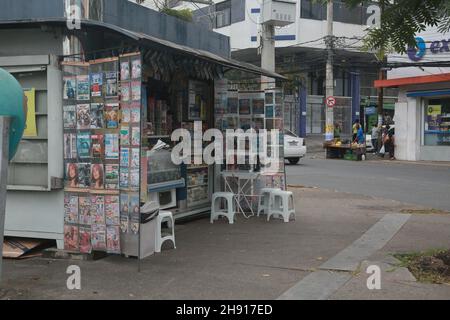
(282, 204)
(159, 239)
(228, 212)
(265, 200)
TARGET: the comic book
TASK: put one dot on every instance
(136, 91)
(96, 84)
(112, 115)
(83, 87)
(98, 209)
(83, 117)
(70, 146)
(84, 175)
(113, 239)
(98, 146)
(112, 210)
(124, 157)
(70, 209)
(125, 135)
(98, 237)
(135, 136)
(124, 71)
(124, 177)
(85, 240)
(97, 116)
(111, 146)
(70, 88)
(84, 145)
(111, 84)
(70, 117)
(71, 238)
(84, 207)
(112, 176)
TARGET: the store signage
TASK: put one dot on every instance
(436, 47)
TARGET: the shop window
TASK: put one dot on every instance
(223, 14)
(311, 9)
(437, 122)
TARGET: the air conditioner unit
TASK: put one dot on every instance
(279, 13)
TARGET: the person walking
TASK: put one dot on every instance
(355, 128)
(389, 142)
(374, 138)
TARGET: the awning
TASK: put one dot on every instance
(150, 40)
(399, 82)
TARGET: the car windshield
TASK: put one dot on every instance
(289, 133)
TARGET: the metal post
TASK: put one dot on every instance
(267, 51)
(329, 115)
(4, 159)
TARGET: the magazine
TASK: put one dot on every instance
(70, 88)
(70, 117)
(83, 117)
(112, 115)
(124, 204)
(70, 146)
(124, 223)
(70, 209)
(98, 209)
(135, 159)
(125, 92)
(85, 240)
(98, 146)
(135, 136)
(134, 179)
(97, 116)
(71, 238)
(136, 68)
(112, 210)
(71, 175)
(98, 237)
(83, 87)
(84, 175)
(134, 208)
(112, 176)
(96, 84)
(84, 145)
(136, 91)
(124, 71)
(124, 157)
(135, 113)
(111, 84)
(97, 176)
(125, 135)
(126, 114)
(84, 208)
(123, 179)
(112, 146)
(113, 239)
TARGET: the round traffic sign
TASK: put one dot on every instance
(331, 101)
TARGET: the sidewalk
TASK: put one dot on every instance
(252, 259)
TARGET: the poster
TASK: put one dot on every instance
(83, 117)
(71, 238)
(112, 210)
(30, 125)
(83, 87)
(96, 84)
(97, 116)
(136, 68)
(124, 71)
(70, 117)
(111, 146)
(112, 176)
(70, 88)
(111, 84)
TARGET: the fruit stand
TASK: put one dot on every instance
(338, 150)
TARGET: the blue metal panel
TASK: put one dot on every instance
(435, 93)
(356, 95)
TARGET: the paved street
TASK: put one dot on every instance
(423, 184)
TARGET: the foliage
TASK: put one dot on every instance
(183, 14)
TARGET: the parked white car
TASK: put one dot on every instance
(294, 147)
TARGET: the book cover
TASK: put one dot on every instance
(85, 240)
(136, 91)
(135, 158)
(96, 84)
(70, 146)
(97, 176)
(84, 145)
(70, 209)
(125, 93)
(83, 117)
(98, 209)
(124, 71)
(112, 176)
(70, 88)
(70, 117)
(113, 239)
(111, 84)
(111, 146)
(84, 175)
(112, 210)
(136, 68)
(71, 238)
(83, 87)
(135, 136)
(125, 135)
(97, 116)
(124, 177)
(98, 237)
(112, 115)
(98, 146)
(124, 157)
(84, 208)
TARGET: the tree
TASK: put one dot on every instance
(401, 20)
(164, 7)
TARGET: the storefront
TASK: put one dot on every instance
(422, 117)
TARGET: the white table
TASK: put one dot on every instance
(247, 178)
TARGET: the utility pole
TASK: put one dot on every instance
(382, 74)
(329, 122)
(267, 49)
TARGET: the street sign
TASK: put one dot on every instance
(331, 102)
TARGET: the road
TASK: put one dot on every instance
(421, 184)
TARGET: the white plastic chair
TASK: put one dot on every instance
(216, 210)
(265, 200)
(159, 240)
(282, 204)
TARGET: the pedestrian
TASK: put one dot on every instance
(360, 139)
(355, 129)
(389, 142)
(374, 138)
